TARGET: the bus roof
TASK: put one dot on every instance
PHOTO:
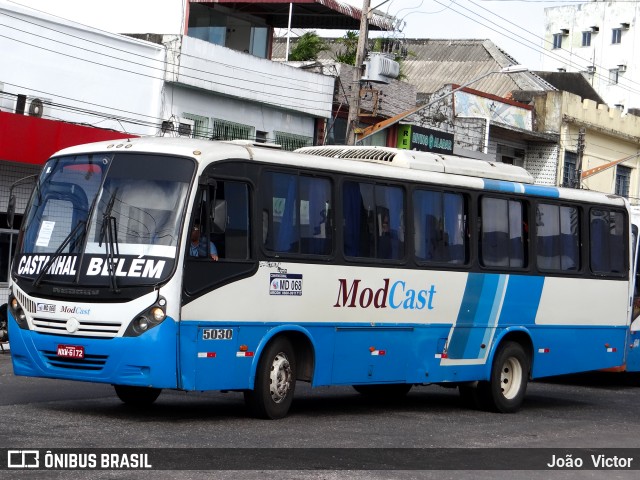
(427, 161)
(403, 165)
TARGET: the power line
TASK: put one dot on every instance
(155, 68)
(163, 62)
(544, 51)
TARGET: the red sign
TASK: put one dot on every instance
(28, 139)
(71, 351)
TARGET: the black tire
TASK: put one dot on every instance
(275, 381)
(137, 396)
(504, 392)
(388, 391)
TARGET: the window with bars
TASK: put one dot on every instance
(291, 141)
(586, 39)
(557, 40)
(570, 170)
(201, 125)
(623, 178)
(226, 130)
(7, 249)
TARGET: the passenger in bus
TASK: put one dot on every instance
(198, 246)
(384, 241)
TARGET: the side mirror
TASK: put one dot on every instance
(11, 210)
(11, 207)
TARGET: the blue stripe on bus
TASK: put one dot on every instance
(478, 309)
(501, 186)
(521, 301)
(511, 187)
(542, 191)
(517, 295)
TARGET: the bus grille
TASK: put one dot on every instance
(88, 328)
(89, 362)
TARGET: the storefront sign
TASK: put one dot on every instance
(411, 137)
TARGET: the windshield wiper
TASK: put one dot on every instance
(109, 229)
(59, 250)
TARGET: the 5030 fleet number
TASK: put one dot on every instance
(217, 334)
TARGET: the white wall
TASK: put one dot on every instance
(118, 16)
(81, 71)
(602, 54)
(227, 72)
(263, 118)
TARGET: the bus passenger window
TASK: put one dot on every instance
(296, 214)
(502, 239)
(373, 221)
(607, 242)
(440, 227)
(558, 237)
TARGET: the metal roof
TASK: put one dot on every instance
(431, 63)
(312, 14)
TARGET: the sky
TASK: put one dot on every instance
(515, 26)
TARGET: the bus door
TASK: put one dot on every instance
(218, 255)
(633, 349)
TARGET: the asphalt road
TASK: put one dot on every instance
(594, 411)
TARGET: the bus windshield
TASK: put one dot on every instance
(96, 218)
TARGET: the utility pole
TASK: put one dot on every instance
(354, 103)
(580, 148)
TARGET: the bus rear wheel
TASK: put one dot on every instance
(275, 381)
(504, 392)
(137, 396)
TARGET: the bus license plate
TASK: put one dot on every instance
(70, 351)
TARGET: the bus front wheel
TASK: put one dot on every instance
(275, 381)
(137, 396)
(504, 392)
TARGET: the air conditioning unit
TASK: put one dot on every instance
(32, 106)
(36, 106)
(379, 68)
(591, 69)
(178, 127)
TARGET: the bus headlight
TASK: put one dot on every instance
(158, 314)
(18, 312)
(146, 320)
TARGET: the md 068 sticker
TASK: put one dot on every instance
(285, 284)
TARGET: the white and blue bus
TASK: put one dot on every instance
(160, 263)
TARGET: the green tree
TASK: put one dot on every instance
(308, 47)
(349, 47)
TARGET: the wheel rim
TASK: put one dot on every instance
(280, 378)
(511, 377)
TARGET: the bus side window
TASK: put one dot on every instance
(607, 242)
(230, 220)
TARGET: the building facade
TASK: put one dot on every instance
(591, 136)
(57, 75)
(599, 39)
